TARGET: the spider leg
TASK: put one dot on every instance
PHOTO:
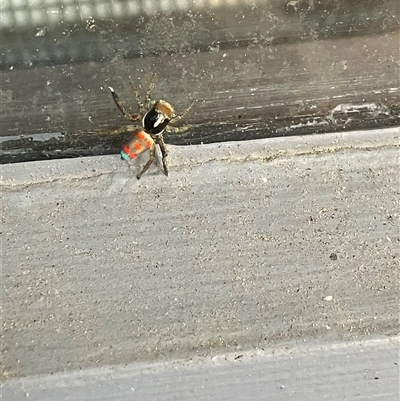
(177, 130)
(143, 107)
(139, 100)
(161, 143)
(121, 130)
(121, 107)
(183, 114)
(149, 163)
(147, 100)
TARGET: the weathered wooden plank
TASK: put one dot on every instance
(285, 68)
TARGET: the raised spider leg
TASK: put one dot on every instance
(160, 141)
(139, 100)
(183, 114)
(147, 100)
(144, 108)
(121, 107)
(149, 163)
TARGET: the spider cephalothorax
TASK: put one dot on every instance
(157, 118)
(154, 121)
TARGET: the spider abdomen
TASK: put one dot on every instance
(140, 142)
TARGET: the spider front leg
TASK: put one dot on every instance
(143, 108)
(147, 100)
(160, 141)
(121, 107)
(183, 114)
(149, 163)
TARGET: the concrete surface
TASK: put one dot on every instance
(247, 246)
(345, 372)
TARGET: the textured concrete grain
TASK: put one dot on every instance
(354, 371)
(246, 246)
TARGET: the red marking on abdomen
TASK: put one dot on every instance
(128, 151)
(137, 146)
(141, 135)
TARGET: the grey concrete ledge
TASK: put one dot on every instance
(246, 247)
(356, 371)
(267, 149)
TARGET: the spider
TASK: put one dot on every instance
(154, 122)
